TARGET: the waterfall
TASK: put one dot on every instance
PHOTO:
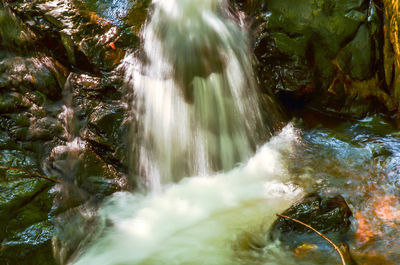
(197, 111)
(195, 93)
(199, 219)
(63, 158)
(63, 162)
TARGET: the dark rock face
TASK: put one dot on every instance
(41, 74)
(74, 33)
(322, 54)
(55, 53)
(356, 58)
(32, 244)
(25, 201)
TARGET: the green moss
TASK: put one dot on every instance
(291, 46)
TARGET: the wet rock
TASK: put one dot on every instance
(25, 126)
(106, 120)
(98, 178)
(314, 30)
(14, 34)
(45, 41)
(24, 207)
(24, 74)
(17, 158)
(113, 147)
(29, 246)
(75, 228)
(304, 48)
(136, 16)
(84, 174)
(11, 102)
(329, 215)
(280, 72)
(84, 34)
(69, 47)
(45, 129)
(102, 50)
(18, 186)
(85, 177)
(105, 88)
(357, 57)
(391, 51)
(15, 194)
(120, 12)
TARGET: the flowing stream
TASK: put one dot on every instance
(210, 187)
(198, 219)
(198, 113)
(206, 166)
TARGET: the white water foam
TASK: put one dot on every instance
(196, 220)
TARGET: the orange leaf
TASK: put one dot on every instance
(364, 231)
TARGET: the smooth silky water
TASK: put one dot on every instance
(197, 220)
(199, 126)
(195, 95)
(209, 188)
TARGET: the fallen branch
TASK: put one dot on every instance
(319, 233)
(31, 174)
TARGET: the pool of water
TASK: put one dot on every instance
(225, 218)
(361, 161)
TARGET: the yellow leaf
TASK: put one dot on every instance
(305, 250)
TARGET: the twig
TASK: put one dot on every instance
(377, 7)
(32, 174)
(319, 233)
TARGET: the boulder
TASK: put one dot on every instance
(330, 215)
(326, 214)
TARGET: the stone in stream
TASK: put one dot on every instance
(330, 215)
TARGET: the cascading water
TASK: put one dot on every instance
(63, 162)
(198, 111)
(63, 158)
(199, 219)
(196, 98)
